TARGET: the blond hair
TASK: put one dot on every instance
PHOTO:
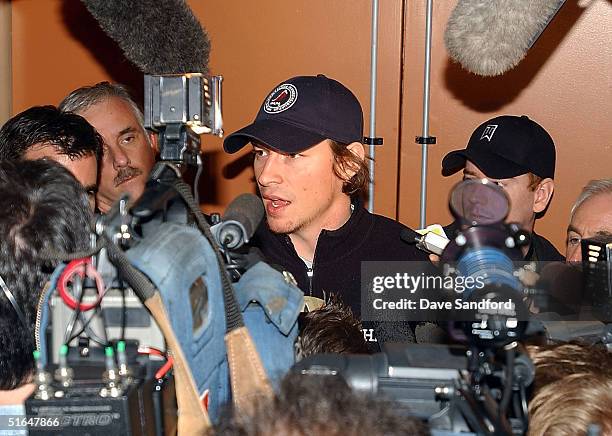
(573, 390)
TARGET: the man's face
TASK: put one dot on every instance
(84, 169)
(300, 192)
(128, 154)
(592, 218)
(522, 198)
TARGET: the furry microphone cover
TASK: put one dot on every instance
(159, 37)
(490, 37)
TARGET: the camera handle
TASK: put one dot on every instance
(159, 191)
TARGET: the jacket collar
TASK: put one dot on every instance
(334, 244)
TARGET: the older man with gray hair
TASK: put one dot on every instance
(129, 150)
(590, 216)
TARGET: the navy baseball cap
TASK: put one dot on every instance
(505, 147)
(301, 112)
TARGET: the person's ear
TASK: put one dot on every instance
(543, 194)
(350, 168)
(154, 142)
(357, 149)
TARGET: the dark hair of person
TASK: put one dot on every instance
(534, 181)
(70, 134)
(319, 405)
(44, 207)
(330, 329)
(344, 161)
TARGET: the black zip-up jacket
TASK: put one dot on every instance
(337, 260)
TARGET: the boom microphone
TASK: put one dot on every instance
(167, 43)
(241, 218)
(490, 37)
(159, 37)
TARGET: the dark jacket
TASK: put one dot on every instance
(540, 248)
(339, 253)
(338, 256)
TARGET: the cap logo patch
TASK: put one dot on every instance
(281, 99)
(488, 132)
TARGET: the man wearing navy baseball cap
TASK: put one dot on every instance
(310, 170)
(517, 154)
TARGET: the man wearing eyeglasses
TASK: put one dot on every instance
(517, 154)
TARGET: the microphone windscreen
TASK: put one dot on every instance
(158, 36)
(490, 37)
(248, 210)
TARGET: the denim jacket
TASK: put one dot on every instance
(182, 264)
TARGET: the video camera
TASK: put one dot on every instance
(480, 384)
(206, 291)
(597, 273)
(106, 370)
(574, 301)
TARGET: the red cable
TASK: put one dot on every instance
(161, 372)
(151, 350)
(82, 267)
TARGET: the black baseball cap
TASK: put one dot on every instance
(505, 147)
(301, 112)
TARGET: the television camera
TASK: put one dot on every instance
(101, 360)
(480, 384)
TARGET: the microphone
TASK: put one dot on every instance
(241, 218)
(490, 37)
(410, 236)
(159, 37)
(431, 239)
(167, 43)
